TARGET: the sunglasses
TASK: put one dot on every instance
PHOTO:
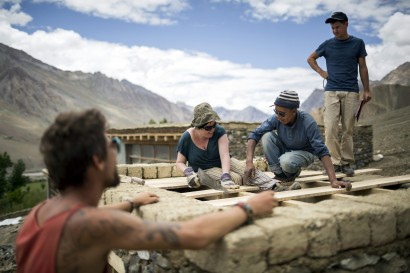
(117, 143)
(208, 127)
(279, 113)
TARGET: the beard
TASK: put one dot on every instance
(113, 182)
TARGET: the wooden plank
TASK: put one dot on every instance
(246, 193)
(356, 186)
(167, 183)
(227, 201)
(212, 192)
(304, 173)
(366, 171)
(203, 193)
(320, 191)
(294, 203)
(338, 175)
(317, 178)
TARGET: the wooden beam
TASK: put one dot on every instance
(294, 203)
(212, 192)
(317, 178)
(320, 191)
(338, 175)
(167, 183)
(304, 173)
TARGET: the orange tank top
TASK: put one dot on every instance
(36, 246)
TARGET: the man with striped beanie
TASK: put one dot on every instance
(290, 139)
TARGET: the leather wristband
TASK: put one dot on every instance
(248, 210)
(132, 204)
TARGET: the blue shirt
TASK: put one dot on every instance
(342, 58)
(303, 135)
(198, 158)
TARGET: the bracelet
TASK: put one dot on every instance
(248, 210)
(133, 204)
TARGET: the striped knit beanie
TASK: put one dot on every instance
(288, 99)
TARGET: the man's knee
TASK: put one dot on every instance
(288, 165)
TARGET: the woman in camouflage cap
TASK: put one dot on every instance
(205, 145)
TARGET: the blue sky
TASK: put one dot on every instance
(230, 53)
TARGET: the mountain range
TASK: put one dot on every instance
(32, 93)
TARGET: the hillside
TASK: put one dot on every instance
(391, 138)
(32, 93)
(390, 93)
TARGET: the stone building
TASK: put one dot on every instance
(157, 144)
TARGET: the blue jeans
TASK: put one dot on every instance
(282, 160)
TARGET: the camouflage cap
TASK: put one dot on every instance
(203, 113)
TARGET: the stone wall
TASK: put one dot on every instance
(359, 234)
(362, 147)
(238, 133)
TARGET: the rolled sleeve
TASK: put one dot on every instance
(316, 141)
(268, 125)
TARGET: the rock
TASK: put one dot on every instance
(377, 157)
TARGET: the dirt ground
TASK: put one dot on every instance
(391, 138)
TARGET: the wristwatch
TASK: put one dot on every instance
(248, 210)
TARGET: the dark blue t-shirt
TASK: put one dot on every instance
(342, 58)
(198, 158)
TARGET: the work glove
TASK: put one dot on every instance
(227, 183)
(192, 178)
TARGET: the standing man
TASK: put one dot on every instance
(344, 54)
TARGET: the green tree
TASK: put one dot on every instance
(5, 163)
(16, 179)
(163, 121)
(151, 121)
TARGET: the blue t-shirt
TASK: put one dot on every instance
(303, 135)
(198, 158)
(342, 59)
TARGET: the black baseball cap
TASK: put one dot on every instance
(336, 16)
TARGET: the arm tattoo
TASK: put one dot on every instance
(167, 232)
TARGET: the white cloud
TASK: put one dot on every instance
(153, 12)
(395, 49)
(364, 15)
(193, 77)
(13, 15)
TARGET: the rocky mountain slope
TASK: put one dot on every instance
(249, 114)
(32, 88)
(32, 93)
(390, 93)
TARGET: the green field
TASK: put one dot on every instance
(34, 192)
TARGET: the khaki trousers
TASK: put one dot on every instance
(340, 107)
